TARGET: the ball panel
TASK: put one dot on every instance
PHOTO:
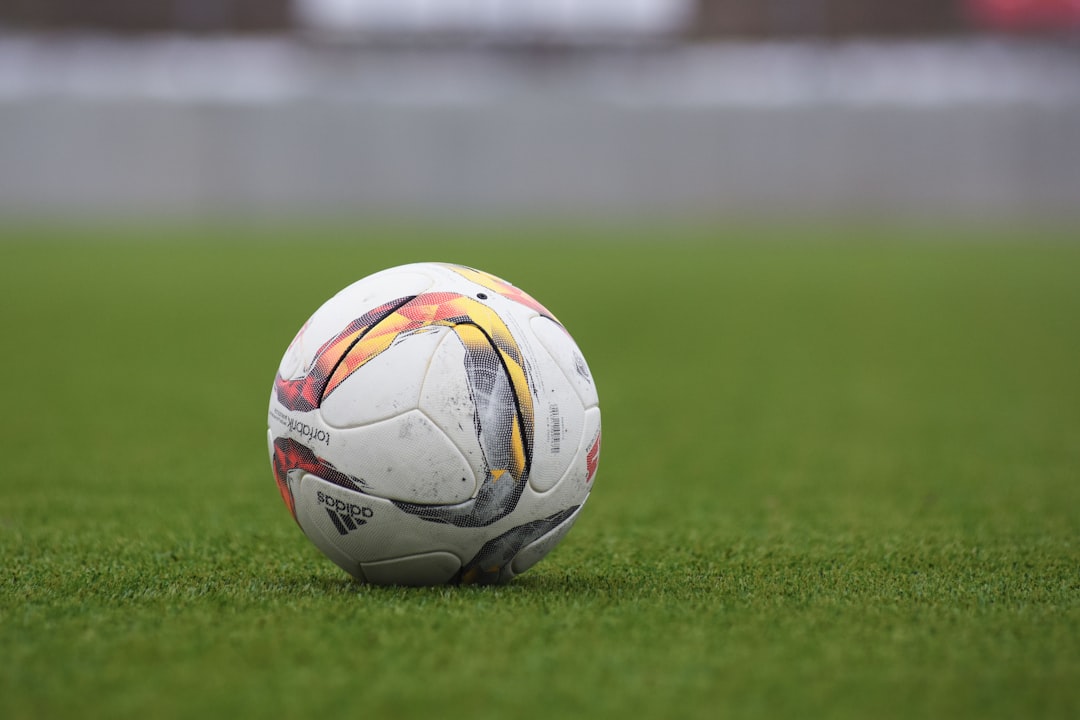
(406, 458)
(389, 384)
(535, 551)
(353, 528)
(447, 399)
(558, 425)
(433, 568)
(568, 357)
(492, 564)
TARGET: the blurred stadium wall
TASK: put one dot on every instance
(771, 108)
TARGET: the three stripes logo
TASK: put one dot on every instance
(345, 516)
(345, 523)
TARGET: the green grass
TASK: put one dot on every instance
(841, 478)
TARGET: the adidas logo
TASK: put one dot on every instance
(345, 523)
(345, 516)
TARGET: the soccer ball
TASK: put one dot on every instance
(432, 423)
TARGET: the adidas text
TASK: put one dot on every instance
(356, 511)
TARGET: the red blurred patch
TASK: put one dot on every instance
(592, 459)
(1025, 15)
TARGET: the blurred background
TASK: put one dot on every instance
(576, 108)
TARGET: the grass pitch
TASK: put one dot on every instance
(841, 477)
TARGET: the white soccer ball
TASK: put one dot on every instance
(432, 423)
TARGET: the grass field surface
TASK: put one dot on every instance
(840, 478)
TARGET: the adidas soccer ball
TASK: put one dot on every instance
(432, 423)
